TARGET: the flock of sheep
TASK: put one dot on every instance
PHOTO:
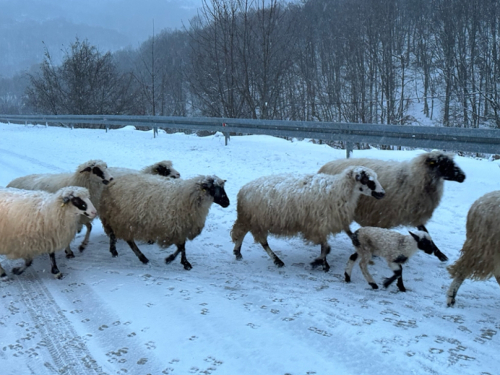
(42, 213)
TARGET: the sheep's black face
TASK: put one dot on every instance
(365, 179)
(163, 171)
(99, 173)
(446, 168)
(425, 244)
(217, 192)
(220, 196)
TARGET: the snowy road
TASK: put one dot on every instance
(118, 316)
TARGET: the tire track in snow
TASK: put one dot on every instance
(31, 160)
(67, 350)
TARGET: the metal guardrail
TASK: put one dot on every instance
(452, 139)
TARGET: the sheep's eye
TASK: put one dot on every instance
(98, 172)
(79, 203)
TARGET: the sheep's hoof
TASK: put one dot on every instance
(114, 253)
(187, 266)
(347, 277)
(450, 301)
(4, 277)
(238, 256)
(70, 255)
(373, 285)
(279, 263)
(320, 262)
(82, 247)
(17, 270)
(58, 276)
(151, 242)
(143, 259)
(169, 259)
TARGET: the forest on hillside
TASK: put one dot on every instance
(361, 61)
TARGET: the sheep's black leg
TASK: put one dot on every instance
(20, 270)
(400, 284)
(437, 252)
(277, 261)
(85, 241)
(452, 291)
(172, 256)
(181, 248)
(138, 252)
(3, 274)
(55, 271)
(321, 261)
(112, 244)
(397, 274)
(238, 235)
(184, 261)
(348, 268)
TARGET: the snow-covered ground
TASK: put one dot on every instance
(119, 316)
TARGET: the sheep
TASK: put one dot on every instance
(38, 222)
(92, 175)
(313, 205)
(395, 247)
(414, 189)
(480, 255)
(167, 211)
(163, 168)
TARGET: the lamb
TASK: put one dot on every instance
(395, 247)
(38, 222)
(313, 205)
(480, 255)
(167, 211)
(92, 175)
(414, 189)
(162, 168)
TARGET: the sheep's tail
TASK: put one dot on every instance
(472, 264)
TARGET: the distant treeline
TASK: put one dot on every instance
(366, 61)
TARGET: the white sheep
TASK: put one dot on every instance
(413, 189)
(92, 175)
(162, 168)
(37, 222)
(151, 208)
(395, 247)
(313, 205)
(480, 255)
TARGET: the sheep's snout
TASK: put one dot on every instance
(91, 214)
(458, 175)
(378, 194)
(105, 182)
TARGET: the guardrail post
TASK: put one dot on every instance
(348, 149)
(155, 131)
(227, 137)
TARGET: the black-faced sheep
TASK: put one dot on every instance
(92, 175)
(313, 205)
(395, 247)
(37, 222)
(480, 255)
(413, 189)
(152, 208)
(162, 168)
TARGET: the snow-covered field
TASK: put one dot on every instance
(118, 316)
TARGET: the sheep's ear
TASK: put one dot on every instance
(417, 238)
(88, 169)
